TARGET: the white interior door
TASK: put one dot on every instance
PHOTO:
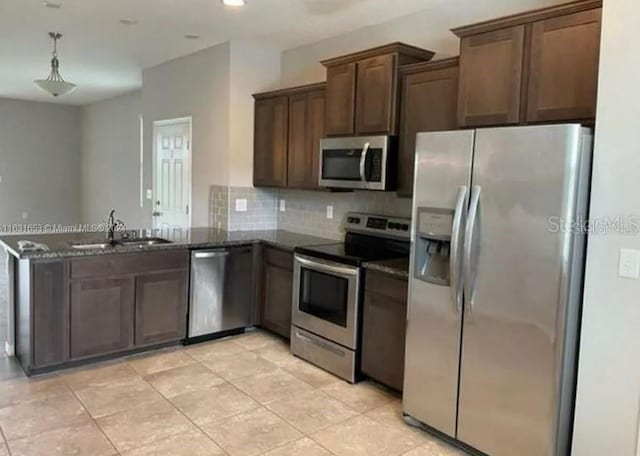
(172, 174)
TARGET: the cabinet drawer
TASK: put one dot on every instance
(279, 258)
(108, 265)
(382, 284)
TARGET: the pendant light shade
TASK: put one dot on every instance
(55, 84)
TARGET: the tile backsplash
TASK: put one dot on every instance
(261, 209)
(260, 213)
(219, 206)
(305, 211)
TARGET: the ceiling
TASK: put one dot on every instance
(105, 58)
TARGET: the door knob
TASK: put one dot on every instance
(156, 213)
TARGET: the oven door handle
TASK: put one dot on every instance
(324, 267)
(363, 161)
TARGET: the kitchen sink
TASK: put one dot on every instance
(137, 242)
(91, 245)
(143, 241)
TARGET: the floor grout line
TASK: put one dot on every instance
(186, 417)
(6, 442)
(84, 407)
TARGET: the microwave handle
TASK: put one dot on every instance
(363, 161)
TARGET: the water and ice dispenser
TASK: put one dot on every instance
(433, 245)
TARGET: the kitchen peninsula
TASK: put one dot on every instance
(85, 299)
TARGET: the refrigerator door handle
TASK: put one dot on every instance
(469, 243)
(454, 259)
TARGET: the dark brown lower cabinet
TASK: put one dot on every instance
(161, 307)
(101, 316)
(50, 313)
(384, 329)
(74, 309)
(277, 286)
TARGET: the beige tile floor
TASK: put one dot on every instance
(241, 396)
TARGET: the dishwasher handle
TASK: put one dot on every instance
(221, 253)
(218, 254)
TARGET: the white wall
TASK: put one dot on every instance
(253, 69)
(198, 86)
(608, 399)
(111, 160)
(39, 163)
(428, 29)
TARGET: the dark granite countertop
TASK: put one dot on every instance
(397, 267)
(194, 238)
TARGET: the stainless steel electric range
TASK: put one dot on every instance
(328, 286)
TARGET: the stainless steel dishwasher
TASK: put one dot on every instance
(221, 297)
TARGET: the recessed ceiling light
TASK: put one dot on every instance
(128, 20)
(51, 5)
(191, 36)
(234, 2)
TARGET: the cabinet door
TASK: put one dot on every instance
(270, 142)
(101, 316)
(384, 331)
(50, 313)
(299, 159)
(306, 129)
(491, 78)
(429, 103)
(161, 307)
(315, 130)
(563, 76)
(341, 94)
(376, 95)
(277, 283)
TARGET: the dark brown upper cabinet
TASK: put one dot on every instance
(538, 66)
(428, 103)
(270, 142)
(306, 128)
(289, 124)
(363, 89)
(375, 101)
(491, 77)
(341, 97)
(563, 76)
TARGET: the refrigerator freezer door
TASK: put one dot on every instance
(517, 306)
(443, 172)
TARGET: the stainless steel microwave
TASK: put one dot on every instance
(363, 162)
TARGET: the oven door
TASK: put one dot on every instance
(325, 299)
(356, 163)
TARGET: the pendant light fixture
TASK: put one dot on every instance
(54, 84)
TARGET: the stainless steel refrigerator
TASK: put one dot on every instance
(495, 288)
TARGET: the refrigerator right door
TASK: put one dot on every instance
(522, 276)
